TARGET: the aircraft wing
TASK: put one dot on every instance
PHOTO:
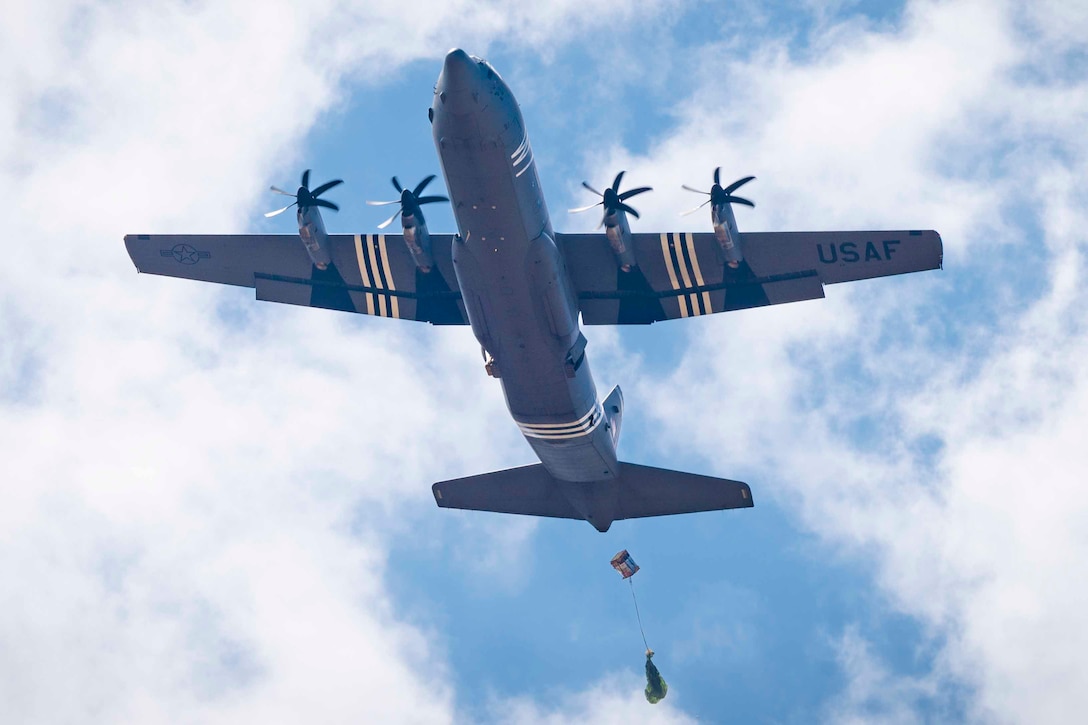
(684, 274)
(371, 274)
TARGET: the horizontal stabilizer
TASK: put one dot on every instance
(527, 490)
(640, 491)
(647, 491)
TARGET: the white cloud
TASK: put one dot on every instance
(872, 693)
(933, 423)
(182, 499)
(607, 701)
(197, 499)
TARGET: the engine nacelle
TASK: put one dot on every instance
(311, 230)
(618, 232)
(725, 231)
(418, 241)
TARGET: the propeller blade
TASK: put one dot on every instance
(737, 184)
(383, 203)
(692, 211)
(396, 185)
(326, 204)
(281, 191)
(306, 178)
(718, 176)
(634, 192)
(430, 199)
(688, 188)
(616, 183)
(389, 221)
(585, 184)
(422, 185)
(279, 211)
(628, 209)
(326, 186)
(584, 208)
(739, 200)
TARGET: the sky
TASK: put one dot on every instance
(218, 510)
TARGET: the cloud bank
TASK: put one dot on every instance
(932, 424)
(197, 502)
(197, 507)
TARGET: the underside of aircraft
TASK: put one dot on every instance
(526, 290)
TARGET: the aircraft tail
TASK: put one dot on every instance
(640, 491)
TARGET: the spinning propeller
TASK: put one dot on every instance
(612, 200)
(304, 197)
(718, 195)
(410, 201)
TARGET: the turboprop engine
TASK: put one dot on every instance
(721, 215)
(416, 237)
(614, 222)
(311, 228)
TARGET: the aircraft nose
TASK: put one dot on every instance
(458, 72)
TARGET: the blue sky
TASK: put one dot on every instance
(206, 520)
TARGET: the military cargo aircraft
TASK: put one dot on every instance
(525, 290)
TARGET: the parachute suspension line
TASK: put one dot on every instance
(626, 566)
(639, 616)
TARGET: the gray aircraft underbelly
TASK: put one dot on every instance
(516, 290)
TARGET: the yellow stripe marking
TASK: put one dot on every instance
(393, 301)
(698, 272)
(684, 275)
(667, 257)
(362, 272)
(370, 241)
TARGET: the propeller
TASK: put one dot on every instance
(612, 200)
(410, 201)
(718, 195)
(304, 197)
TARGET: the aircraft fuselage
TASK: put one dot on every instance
(520, 302)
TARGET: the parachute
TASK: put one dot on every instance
(656, 689)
